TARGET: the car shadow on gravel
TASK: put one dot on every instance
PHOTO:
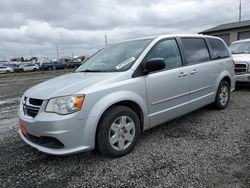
(183, 126)
(242, 87)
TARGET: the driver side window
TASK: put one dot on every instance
(169, 51)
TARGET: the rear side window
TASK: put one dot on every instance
(219, 49)
(195, 50)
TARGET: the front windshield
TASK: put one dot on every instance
(118, 57)
(240, 48)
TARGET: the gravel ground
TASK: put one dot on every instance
(206, 148)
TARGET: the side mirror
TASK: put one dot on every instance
(153, 64)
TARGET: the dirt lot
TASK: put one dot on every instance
(206, 148)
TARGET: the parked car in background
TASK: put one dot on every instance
(73, 64)
(52, 66)
(6, 69)
(240, 51)
(15, 67)
(124, 89)
(30, 67)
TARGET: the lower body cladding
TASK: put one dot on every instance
(64, 134)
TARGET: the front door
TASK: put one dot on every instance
(167, 90)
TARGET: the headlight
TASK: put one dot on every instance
(65, 105)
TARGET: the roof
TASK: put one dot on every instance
(227, 26)
(159, 37)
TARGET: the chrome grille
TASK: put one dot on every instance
(31, 106)
(241, 68)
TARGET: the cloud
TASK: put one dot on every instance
(79, 26)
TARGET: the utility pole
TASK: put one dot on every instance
(240, 12)
(106, 40)
(61, 43)
(57, 54)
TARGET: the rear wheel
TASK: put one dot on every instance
(7, 71)
(118, 131)
(223, 95)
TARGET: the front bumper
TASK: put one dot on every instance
(75, 134)
(243, 77)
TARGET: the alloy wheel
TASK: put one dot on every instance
(224, 95)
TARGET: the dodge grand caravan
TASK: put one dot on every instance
(123, 90)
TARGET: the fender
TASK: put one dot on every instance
(221, 76)
(104, 103)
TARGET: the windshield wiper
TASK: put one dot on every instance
(88, 70)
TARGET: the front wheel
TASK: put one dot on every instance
(222, 96)
(118, 131)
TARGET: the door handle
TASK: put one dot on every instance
(194, 71)
(183, 74)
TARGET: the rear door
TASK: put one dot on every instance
(167, 90)
(27, 67)
(203, 72)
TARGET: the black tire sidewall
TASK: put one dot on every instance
(103, 144)
(217, 100)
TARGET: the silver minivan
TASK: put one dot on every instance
(124, 89)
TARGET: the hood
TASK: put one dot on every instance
(241, 58)
(66, 85)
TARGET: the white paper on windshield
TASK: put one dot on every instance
(124, 63)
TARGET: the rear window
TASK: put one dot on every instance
(195, 50)
(219, 50)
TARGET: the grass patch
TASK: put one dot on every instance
(38, 73)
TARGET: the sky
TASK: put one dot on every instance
(78, 27)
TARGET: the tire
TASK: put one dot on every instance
(7, 72)
(222, 96)
(49, 68)
(108, 130)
